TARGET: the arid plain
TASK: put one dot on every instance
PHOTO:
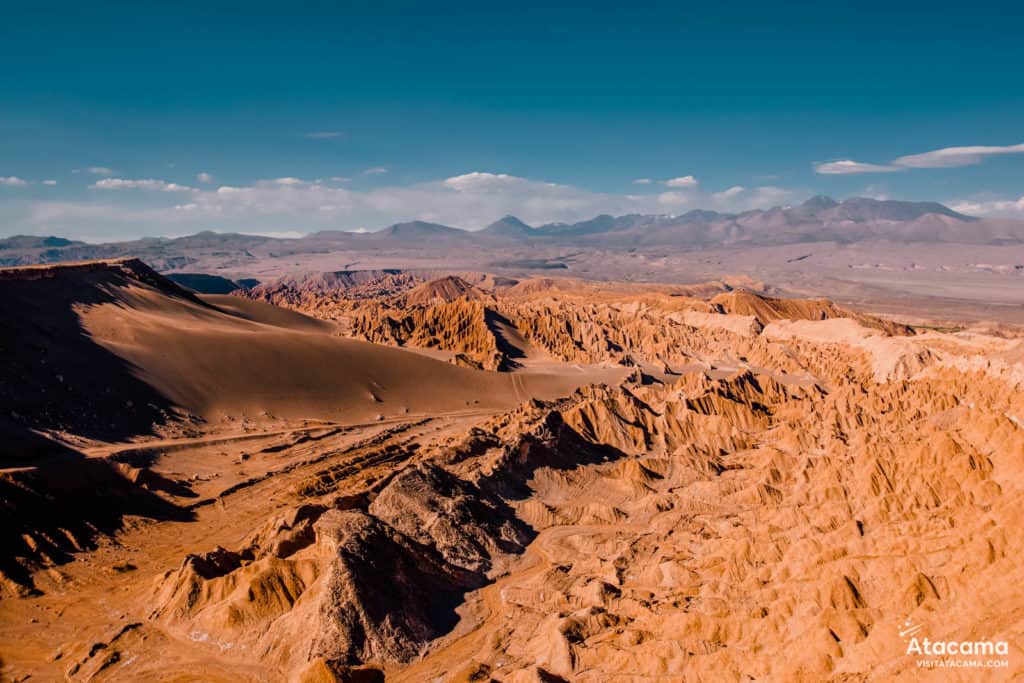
(507, 460)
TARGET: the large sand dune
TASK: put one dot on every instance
(163, 348)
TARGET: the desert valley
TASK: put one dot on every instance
(418, 468)
(533, 342)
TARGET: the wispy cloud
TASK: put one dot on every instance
(469, 200)
(642, 181)
(1010, 208)
(950, 157)
(849, 166)
(376, 170)
(478, 181)
(49, 182)
(141, 184)
(728, 193)
(875, 192)
(674, 201)
(947, 157)
(95, 170)
(204, 177)
(323, 134)
(681, 181)
(12, 181)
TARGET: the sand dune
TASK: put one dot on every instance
(220, 356)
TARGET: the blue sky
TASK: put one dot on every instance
(462, 112)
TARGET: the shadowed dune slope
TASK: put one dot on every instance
(143, 347)
(53, 375)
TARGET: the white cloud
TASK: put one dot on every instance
(376, 170)
(950, 157)
(875, 192)
(204, 177)
(1011, 208)
(324, 134)
(947, 157)
(848, 166)
(642, 181)
(470, 200)
(339, 179)
(49, 182)
(673, 200)
(13, 181)
(728, 193)
(488, 182)
(682, 181)
(95, 170)
(143, 184)
(767, 196)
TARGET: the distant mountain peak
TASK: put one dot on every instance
(862, 209)
(508, 226)
(34, 241)
(820, 202)
(418, 229)
(696, 215)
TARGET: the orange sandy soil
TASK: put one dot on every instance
(660, 485)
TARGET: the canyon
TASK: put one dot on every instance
(463, 475)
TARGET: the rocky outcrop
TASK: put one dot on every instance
(352, 582)
(770, 309)
(446, 289)
(458, 326)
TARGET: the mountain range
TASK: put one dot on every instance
(819, 219)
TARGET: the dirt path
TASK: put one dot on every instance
(215, 439)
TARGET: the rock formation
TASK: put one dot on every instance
(732, 487)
